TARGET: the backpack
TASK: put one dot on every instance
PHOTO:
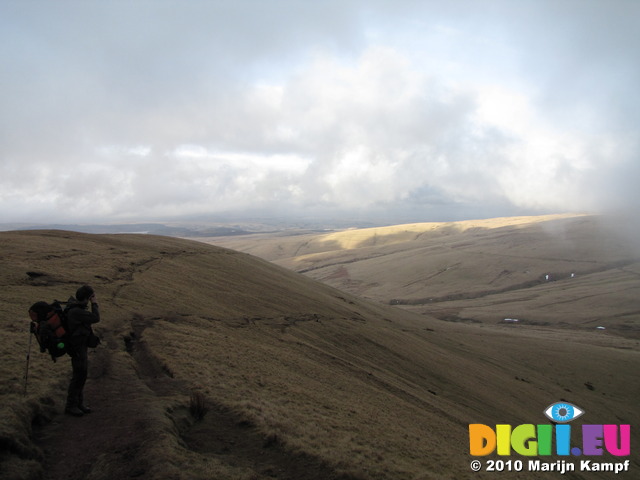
(49, 325)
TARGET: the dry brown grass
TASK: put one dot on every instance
(198, 405)
(300, 380)
(483, 271)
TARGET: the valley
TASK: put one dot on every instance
(219, 364)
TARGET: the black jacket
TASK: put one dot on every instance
(79, 319)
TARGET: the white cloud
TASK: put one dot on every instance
(221, 106)
(114, 151)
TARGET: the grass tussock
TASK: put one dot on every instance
(198, 405)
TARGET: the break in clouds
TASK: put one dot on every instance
(162, 110)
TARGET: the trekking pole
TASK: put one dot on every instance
(26, 370)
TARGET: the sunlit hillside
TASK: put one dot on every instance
(582, 271)
(217, 364)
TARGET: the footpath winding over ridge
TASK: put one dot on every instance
(135, 400)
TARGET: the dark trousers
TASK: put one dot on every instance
(80, 368)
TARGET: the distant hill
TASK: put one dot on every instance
(217, 364)
(578, 271)
(186, 230)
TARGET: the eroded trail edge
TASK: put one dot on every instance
(138, 406)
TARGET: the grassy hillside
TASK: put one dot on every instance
(296, 380)
(582, 271)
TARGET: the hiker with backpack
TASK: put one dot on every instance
(81, 337)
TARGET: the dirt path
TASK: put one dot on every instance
(109, 442)
(73, 445)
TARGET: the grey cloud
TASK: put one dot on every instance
(87, 76)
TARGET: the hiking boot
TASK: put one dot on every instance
(75, 411)
(85, 409)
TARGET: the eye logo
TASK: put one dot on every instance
(563, 412)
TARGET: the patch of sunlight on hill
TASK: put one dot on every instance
(378, 236)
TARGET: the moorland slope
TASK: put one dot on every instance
(576, 271)
(217, 364)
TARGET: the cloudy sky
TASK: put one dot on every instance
(417, 110)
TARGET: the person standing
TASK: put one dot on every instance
(81, 337)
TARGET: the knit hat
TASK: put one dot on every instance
(84, 293)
